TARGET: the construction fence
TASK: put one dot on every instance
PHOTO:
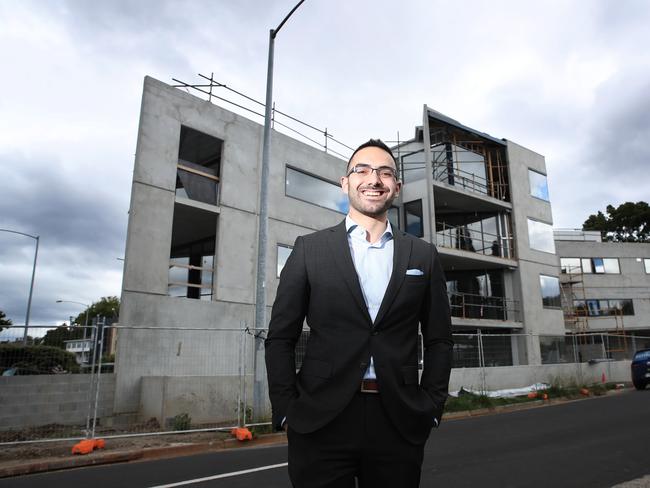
(117, 381)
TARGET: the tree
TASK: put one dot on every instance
(56, 337)
(4, 320)
(106, 307)
(629, 222)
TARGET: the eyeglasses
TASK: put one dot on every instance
(384, 172)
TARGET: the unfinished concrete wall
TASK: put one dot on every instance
(532, 262)
(182, 351)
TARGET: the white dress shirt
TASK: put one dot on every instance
(373, 262)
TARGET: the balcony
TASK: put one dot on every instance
(474, 238)
(472, 306)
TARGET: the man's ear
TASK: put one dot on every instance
(344, 184)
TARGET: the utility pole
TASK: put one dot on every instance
(259, 378)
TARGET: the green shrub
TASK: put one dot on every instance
(36, 359)
(182, 421)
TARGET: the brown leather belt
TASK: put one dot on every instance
(369, 386)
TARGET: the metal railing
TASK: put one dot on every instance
(209, 86)
(473, 306)
(480, 242)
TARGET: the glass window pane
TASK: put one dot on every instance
(627, 306)
(570, 265)
(538, 185)
(413, 167)
(594, 308)
(599, 267)
(413, 217)
(283, 255)
(550, 286)
(646, 264)
(393, 217)
(586, 265)
(540, 236)
(315, 190)
(611, 265)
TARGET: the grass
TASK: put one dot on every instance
(470, 401)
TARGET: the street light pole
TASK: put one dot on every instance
(87, 312)
(260, 289)
(31, 286)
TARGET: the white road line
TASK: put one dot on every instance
(223, 475)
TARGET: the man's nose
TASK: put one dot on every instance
(375, 179)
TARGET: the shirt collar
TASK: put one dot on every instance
(351, 225)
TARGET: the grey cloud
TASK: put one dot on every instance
(82, 229)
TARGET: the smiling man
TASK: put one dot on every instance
(358, 408)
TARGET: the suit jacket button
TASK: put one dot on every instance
(363, 366)
(375, 332)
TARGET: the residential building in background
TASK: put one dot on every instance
(605, 289)
(190, 256)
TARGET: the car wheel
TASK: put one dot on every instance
(639, 385)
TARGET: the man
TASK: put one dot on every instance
(356, 407)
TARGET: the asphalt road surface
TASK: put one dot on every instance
(592, 443)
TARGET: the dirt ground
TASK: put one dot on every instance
(62, 449)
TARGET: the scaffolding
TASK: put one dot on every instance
(572, 288)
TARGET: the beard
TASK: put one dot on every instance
(369, 208)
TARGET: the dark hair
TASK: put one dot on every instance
(373, 143)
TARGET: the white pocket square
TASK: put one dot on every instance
(414, 272)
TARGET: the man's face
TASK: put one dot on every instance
(371, 194)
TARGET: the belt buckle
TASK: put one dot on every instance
(369, 390)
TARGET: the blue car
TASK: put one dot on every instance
(641, 369)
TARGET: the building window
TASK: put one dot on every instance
(540, 236)
(602, 307)
(600, 265)
(570, 265)
(393, 218)
(538, 185)
(413, 166)
(413, 218)
(191, 259)
(317, 191)
(283, 254)
(199, 162)
(550, 286)
(646, 264)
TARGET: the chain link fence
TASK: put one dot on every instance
(115, 381)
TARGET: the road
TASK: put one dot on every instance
(590, 443)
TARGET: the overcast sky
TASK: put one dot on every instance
(569, 80)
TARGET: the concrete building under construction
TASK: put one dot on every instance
(191, 245)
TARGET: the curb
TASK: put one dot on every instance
(99, 458)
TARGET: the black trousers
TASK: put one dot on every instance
(360, 443)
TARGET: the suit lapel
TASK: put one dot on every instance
(401, 255)
(338, 241)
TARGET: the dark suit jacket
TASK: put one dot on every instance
(319, 283)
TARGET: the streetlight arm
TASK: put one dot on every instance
(21, 233)
(275, 31)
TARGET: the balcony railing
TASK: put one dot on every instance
(471, 306)
(460, 237)
(469, 181)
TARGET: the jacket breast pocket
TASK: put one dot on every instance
(415, 280)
